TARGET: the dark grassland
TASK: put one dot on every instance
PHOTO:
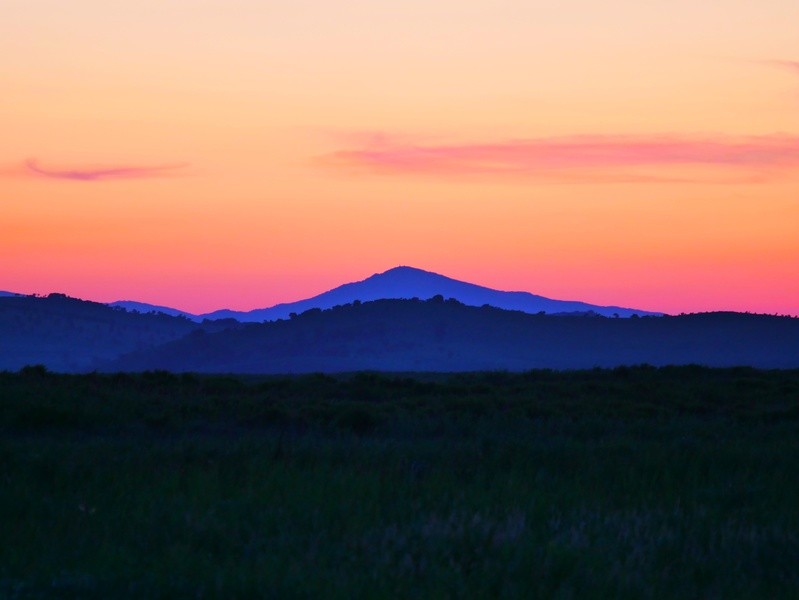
(625, 483)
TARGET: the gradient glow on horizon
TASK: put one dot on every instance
(243, 153)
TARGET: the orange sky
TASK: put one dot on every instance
(243, 153)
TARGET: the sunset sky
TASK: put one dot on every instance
(240, 153)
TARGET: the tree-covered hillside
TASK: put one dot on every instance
(67, 334)
(445, 335)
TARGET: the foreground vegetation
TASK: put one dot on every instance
(624, 483)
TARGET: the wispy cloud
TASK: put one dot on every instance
(790, 65)
(586, 158)
(33, 168)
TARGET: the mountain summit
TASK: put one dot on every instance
(409, 282)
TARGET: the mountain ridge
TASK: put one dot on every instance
(405, 282)
(401, 282)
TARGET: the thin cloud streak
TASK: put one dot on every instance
(791, 65)
(113, 173)
(580, 158)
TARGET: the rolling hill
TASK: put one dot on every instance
(446, 335)
(71, 335)
(67, 334)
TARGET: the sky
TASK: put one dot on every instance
(205, 154)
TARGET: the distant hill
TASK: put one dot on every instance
(409, 282)
(3, 294)
(67, 334)
(446, 335)
(143, 307)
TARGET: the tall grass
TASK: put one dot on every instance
(632, 484)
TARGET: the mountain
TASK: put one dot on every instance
(143, 307)
(4, 294)
(439, 335)
(409, 282)
(67, 334)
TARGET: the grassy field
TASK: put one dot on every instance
(625, 483)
